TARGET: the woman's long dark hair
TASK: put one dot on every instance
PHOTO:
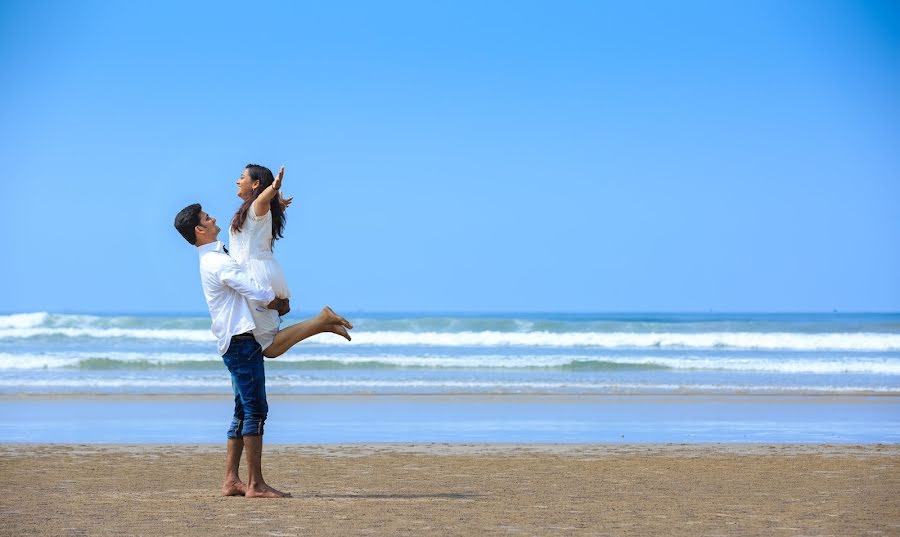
(265, 178)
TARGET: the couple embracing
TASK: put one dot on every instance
(247, 295)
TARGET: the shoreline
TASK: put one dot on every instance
(472, 449)
(469, 418)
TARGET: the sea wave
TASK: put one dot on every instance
(193, 361)
(708, 340)
(615, 340)
(173, 335)
(865, 333)
(512, 322)
(23, 320)
(223, 384)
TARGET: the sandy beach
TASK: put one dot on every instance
(457, 489)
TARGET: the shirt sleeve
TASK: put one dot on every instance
(252, 212)
(235, 277)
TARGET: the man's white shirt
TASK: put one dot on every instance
(227, 288)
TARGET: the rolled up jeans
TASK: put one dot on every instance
(244, 360)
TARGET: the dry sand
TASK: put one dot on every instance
(495, 489)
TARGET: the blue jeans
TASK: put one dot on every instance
(244, 360)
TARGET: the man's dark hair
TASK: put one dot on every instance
(186, 220)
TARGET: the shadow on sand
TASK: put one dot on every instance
(443, 496)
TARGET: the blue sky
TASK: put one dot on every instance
(464, 156)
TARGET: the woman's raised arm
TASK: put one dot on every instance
(262, 203)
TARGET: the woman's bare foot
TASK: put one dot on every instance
(330, 317)
(265, 491)
(339, 330)
(234, 488)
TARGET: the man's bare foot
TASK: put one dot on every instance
(234, 488)
(330, 317)
(265, 491)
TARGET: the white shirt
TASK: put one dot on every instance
(227, 287)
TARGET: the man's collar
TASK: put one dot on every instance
(216, 246)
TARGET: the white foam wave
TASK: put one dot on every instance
(70, 359)
(846, 365)
(110, 333)
(831, 365)
(292, 382)
(706, 340)
(23, 320)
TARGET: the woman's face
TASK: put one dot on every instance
(245, 185)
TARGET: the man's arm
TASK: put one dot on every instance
(235, 277)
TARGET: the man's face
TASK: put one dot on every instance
(207, 226)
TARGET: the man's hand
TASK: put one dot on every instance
(276, 303)
(283, 305)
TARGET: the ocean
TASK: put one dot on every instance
(508, 353)
(702, 359)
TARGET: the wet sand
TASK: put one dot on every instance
(458, 418)
(457, 489)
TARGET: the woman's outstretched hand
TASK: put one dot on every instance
(276, 184)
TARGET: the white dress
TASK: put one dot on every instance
(251, 247)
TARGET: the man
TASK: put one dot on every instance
(227, 288)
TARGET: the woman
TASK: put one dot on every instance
(255, 227)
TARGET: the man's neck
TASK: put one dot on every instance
(204, 242)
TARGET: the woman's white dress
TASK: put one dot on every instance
(251, 247)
